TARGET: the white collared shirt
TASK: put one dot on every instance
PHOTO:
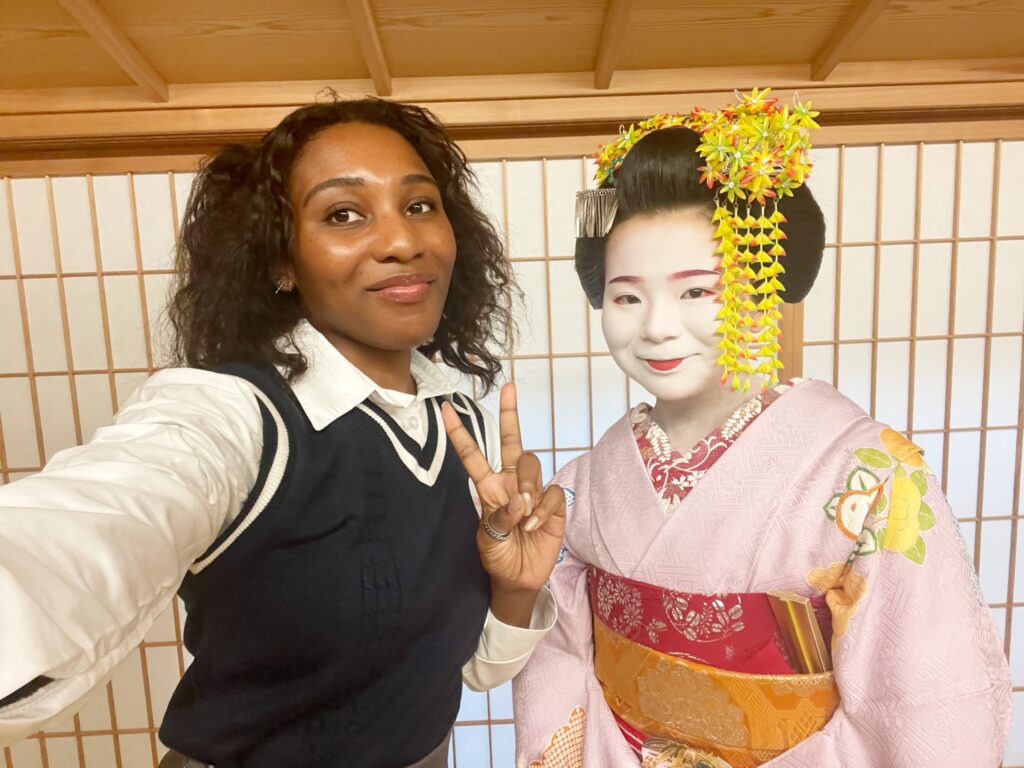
(93, 547)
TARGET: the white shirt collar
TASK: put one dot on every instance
(332, 386)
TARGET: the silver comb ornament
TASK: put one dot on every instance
(595, 212)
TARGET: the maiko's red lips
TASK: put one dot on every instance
(665, 365)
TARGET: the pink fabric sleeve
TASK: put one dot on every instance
(920, 668)
(562, 720)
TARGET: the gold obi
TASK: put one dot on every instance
(740, 718)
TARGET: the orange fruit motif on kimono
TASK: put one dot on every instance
(902, 449)
(904, 523)
(853, 508)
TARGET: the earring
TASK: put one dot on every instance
(282, 285)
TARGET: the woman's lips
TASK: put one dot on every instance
(404, 289)
(664, 365)
(404, 294)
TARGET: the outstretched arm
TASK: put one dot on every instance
(93, 548)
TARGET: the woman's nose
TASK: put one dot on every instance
(662, 323)
(397, 238)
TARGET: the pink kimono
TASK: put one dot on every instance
(669, 555)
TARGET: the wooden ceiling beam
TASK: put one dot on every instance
(857, 77)
(112, 39)
(156, 159)
(594, 113)
(610, 47)
(369, 43)
(856, 22)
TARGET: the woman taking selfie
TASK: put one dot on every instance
(295, 480)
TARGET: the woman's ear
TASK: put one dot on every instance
(284, 282)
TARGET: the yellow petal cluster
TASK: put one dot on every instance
(904, 510)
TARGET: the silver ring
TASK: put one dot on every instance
(496, 535)
(511, 468)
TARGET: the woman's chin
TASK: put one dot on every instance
(398, 336)
(683, 391)
(690, 380)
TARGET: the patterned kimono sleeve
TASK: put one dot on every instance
(562, 720)
(922, 677)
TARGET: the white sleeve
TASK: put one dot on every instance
(503, 649)
(94, 546)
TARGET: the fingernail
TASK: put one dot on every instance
(532, 524)
(516, 504)
(528, 500)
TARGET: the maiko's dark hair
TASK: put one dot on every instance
(660, 174)
(237, 230)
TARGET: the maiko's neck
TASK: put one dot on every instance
(690, 420)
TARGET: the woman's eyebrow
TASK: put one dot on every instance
(356, 181)
(674, 276)
(418, 178)
(338, 181)
(691, 273)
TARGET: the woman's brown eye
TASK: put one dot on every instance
(343, 216)
(696, 293)
(421, 206)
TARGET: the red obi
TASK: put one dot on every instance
(736, 632)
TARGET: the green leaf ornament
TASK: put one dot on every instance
(926, 517)
(831, 505)
(916, 553)
(861, 479)
(869, 543)
(873, 457)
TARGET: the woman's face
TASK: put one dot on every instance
(658, 317)
(372, 251)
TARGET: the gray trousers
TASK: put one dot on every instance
(436, 759)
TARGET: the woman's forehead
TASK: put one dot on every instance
(662, 245)
(373, 152)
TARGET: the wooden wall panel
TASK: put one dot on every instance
(490, 37)
(667, 34)
(910, 29)
(44, 47)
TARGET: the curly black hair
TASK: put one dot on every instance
(661, 173)
(237, 228)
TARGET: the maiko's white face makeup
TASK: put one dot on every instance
(659, 310)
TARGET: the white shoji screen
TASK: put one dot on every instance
(84, 264)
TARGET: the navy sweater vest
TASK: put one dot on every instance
(332, 632)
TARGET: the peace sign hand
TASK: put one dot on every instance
(514, 502)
